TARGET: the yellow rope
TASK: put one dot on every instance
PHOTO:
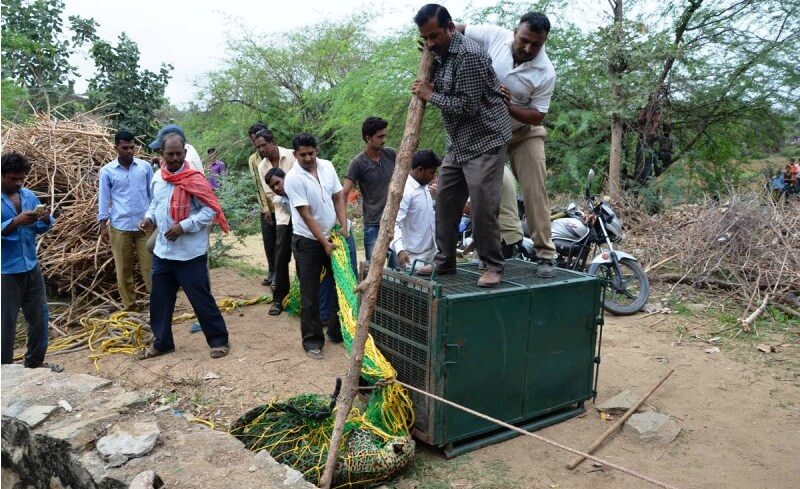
(397, 410)
(123, 332)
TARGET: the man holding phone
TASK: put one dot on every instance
(24, 217)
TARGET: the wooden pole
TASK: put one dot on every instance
(369, 287)
(594, 446)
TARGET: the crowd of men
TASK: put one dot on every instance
(493, 88)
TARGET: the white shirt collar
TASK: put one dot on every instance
(538, 62)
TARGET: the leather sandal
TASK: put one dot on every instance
(219, 351)
(54, 367)
(276, 309)
(152, 352)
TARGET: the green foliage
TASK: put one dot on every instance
(726, 96)
(35, 54)
(36, 60)
(15, 107)
(381, 87)
(129, 96)
(239, 202)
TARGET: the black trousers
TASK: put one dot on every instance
(268, 235)
(25, 291)
(192, 277)
(310, 259)
(283, 255)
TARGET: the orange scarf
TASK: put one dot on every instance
(188, 183)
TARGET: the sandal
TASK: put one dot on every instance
(151, 352)
(219, 351)
(276, 309)
(54, 367)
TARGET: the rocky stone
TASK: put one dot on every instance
(618, 404)
(66, 406)
(652, 428)
(650, 308)
(292, 477)
(125, 400)
(88, 383)
(264, 460)
(146, 480)
(34, 415)
(697, 307)
(60, 452)
(128, 440)
(80, 432)
(14, 409)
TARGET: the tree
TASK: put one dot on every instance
(34, 53)
(128, 95)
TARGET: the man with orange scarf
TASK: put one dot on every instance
(183, 208)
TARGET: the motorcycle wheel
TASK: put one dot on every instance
(627, 294)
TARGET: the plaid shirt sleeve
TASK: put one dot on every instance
(467, 92)
(468, 89)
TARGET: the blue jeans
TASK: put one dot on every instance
(192, 277)
(370, 237)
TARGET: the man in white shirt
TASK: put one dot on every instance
(415, 225)
(276, 218)
(275, 179)
(192, 156)
(527, 80)
(317, 202)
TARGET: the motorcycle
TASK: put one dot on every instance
(585, 242)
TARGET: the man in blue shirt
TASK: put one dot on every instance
(24, 217)
(124, 196)
(181, 249)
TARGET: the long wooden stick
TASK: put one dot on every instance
(550, 442)
(594, 446)
(369, 287)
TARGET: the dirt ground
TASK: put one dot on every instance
(739, 410)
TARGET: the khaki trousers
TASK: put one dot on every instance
(526, 150)
(123, 246)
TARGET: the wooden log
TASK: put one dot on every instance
(369, 288)
(599, 441)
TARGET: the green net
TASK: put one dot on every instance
(297, 431)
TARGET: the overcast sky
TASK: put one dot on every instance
(193, 35)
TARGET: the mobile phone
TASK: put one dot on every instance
(41, 208)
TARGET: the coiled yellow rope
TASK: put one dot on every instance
(123, 332)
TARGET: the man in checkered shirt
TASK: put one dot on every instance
(467, 91)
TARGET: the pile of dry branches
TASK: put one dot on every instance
(67, 156)
(746, 247)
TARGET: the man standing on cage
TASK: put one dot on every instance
(24, 217)
(527, 80)
(124, 196)
(317, 203)
(467, 92)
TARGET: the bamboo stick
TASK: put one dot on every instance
(599, 441)
(369, 288)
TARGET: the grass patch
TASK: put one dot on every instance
(242, 268)
(431, 471)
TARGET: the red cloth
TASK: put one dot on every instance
(188, 183)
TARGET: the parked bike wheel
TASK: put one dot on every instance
(627, 294)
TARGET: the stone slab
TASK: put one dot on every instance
(34, 415)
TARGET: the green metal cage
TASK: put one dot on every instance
(525, 352)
